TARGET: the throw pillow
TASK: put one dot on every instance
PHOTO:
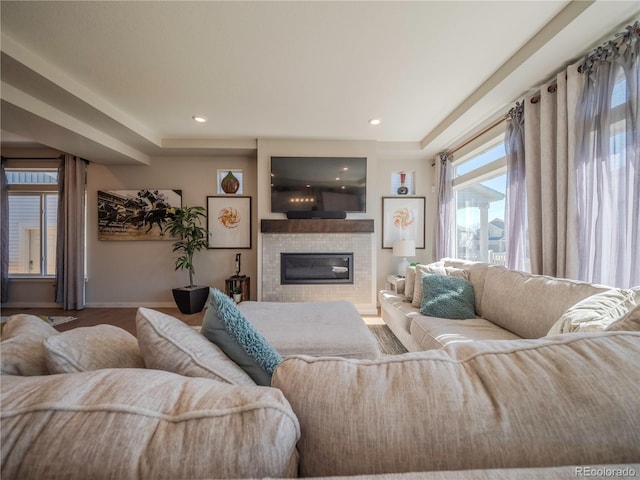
(437, 268)
(21, 346)
(629, 322)
(169, 344)
(85, 349)
(225, 325)
(409, 283)
(447, 297)
(595, 313)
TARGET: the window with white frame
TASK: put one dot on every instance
(479, 184)
(33, 212)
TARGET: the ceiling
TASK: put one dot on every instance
(119, 82)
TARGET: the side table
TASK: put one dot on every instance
(238, 283)
(395, 283)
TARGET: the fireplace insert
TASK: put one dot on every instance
(316, 268)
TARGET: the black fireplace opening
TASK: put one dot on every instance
(316, 268)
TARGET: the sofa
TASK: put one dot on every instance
(506, 305)
(100, 403)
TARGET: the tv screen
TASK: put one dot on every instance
(318, 183)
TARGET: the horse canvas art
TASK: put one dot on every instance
(136, 214)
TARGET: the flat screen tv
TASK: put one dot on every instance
(318, 183)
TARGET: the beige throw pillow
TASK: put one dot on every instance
(92, 348)
(595, 313)
(167, 343)
(409, 283)
(21, 346)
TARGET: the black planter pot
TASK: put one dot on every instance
(190, 299)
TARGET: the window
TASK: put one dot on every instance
(33, 209)
(480, 181)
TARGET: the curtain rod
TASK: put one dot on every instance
(477, 135)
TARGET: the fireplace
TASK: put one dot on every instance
(316, 268)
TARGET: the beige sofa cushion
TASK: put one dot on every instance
(595, 313)
(167, 343)
(143, 424)
(505, 404)
(21, 346)
(434, 332)
(564, 472)
(629, 322)
(91, 348)
(528, 304)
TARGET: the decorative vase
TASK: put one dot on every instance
(230, 183)
(402, 189)
(237, 297)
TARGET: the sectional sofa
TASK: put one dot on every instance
(99, 403)
(506, 305)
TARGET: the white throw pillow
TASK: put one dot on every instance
(169, 344)
(595, 313)
(85, 349)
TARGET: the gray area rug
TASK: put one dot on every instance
(387, 341)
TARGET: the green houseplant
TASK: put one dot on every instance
(186, 223)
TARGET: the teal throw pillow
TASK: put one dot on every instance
(447, 297)
(226, 326)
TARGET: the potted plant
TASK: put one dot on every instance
(237, 294)
(187, 224)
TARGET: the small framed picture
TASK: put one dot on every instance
(403, 219)
(229, 221)
(230, 182)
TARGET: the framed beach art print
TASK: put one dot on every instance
(403, 219)
(229, 221)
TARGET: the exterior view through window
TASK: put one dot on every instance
(480, 185)
(33, 208)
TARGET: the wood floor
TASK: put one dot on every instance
(120, 317)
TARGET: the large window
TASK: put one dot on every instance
(33, 205)
(479, 185)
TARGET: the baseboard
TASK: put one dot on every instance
(131, 305)
(31, 305)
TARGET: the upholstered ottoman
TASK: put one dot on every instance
(313, 328)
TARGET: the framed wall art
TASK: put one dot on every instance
(403, 219)
(229, 221)
(136, 214)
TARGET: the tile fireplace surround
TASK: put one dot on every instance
(319, 236)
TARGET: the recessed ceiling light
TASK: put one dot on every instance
(375, 121)
(199, 118)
